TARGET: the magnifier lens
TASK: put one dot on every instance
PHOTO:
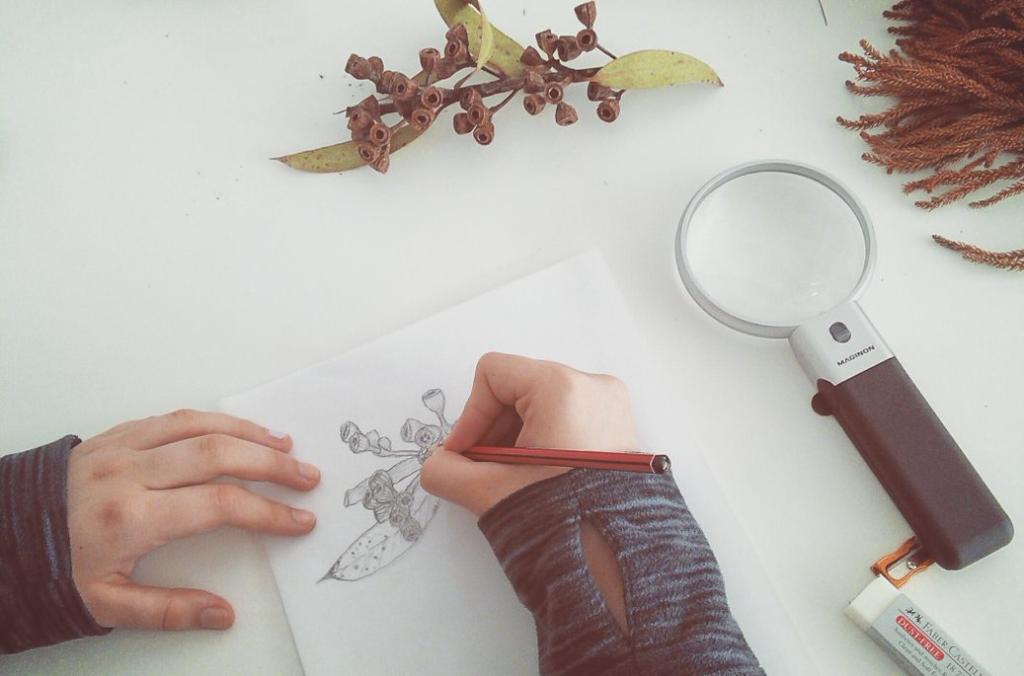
(775, 248)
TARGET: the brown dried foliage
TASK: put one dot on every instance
(958, 84)
(1009, 260)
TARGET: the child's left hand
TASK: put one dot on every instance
(144, 483)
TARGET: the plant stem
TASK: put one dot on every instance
(505, 100)
(577, 74)
(462, 81)
(504, 84)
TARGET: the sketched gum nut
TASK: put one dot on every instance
(533, 103)
(380, 490)
(428, 436)
(400, 509)
(484, 133)
(565, 114)
(608, 110)
(554, 93)
(462, 124)
(349, 430)
(376, 67)
(587, 14)
(434, 401)
(383, 449)
(404, 499)
(411, 529)
(359, 444)
(421, 434)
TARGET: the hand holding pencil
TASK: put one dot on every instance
(527, 404)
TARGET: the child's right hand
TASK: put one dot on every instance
(518, 401)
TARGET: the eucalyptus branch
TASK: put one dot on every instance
(419, 99)
(541, 74)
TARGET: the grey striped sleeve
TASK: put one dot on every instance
(676, 608)
(39, 603)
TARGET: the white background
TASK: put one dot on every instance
(151, 257)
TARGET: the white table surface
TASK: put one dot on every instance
(151, 257)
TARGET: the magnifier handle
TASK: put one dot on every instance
(942, 497)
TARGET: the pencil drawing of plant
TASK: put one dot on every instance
(401, 508)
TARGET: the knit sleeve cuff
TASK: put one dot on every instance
(677, 612)
(37, 590)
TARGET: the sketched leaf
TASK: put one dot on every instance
(382, 543)
(504, 53)
(426, 505)
(343, 156)
(378, 546)
(655, 68)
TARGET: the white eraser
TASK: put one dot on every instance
(912, 639)
(872, 602)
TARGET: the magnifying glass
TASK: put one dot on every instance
(782, 250)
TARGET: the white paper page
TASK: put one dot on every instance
(444, 606)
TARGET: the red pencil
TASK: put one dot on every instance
(625, 461)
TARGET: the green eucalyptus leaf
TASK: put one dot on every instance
(343, 156)
(655, 68)
(486, 39)
(505, 52)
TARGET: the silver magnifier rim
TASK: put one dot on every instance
(698, 292)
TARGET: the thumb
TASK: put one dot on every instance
(125, 604)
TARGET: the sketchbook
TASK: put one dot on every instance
(394, 581)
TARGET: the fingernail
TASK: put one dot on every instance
(276, 434)
(214, 617)
(303, 517)
(308, 472)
